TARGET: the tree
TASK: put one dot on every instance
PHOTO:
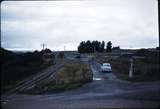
(96, 45)
(116, 48)
(86, 47)
(102, 46)
(109, 47)
(157, 48)
(91, 46)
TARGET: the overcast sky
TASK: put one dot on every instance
(25, 25)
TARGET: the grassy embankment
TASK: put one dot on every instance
(71, 76)
(144, 69)
(16, 67)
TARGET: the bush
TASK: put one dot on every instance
(16, 67)
(120, 65)
(144, 69)
(75, 72)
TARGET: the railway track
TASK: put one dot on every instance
(29, 82)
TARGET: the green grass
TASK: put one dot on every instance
(18, 66)
(143, 69)
(74, 72)
(146, 69)
(71, 76)
(24, 70)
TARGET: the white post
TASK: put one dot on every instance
(131, 69)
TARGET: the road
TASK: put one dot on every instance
(106, 91)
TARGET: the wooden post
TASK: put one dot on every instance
(131, 68)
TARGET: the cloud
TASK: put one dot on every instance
(127, 23)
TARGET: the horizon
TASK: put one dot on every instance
(25, 50)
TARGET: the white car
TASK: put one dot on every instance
(106, 67)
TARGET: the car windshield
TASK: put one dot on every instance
(106, 64)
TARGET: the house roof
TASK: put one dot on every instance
(46, 51)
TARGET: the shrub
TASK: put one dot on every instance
(74, 73)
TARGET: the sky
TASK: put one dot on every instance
(26, 25)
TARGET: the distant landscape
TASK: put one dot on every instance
(16, 66)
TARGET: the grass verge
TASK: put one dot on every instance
(144, 69)
(71, 76)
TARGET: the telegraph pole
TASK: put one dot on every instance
(64, 48)
(43, 46)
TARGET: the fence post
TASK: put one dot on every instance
(131, 68)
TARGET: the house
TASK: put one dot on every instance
(47, 55)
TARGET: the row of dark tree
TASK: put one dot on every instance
(17, 66)
(94, 46)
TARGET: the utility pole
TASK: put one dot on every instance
(64, 48)
(43, 46)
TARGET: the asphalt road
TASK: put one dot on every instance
(106, 91)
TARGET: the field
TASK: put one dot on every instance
(145, 65)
